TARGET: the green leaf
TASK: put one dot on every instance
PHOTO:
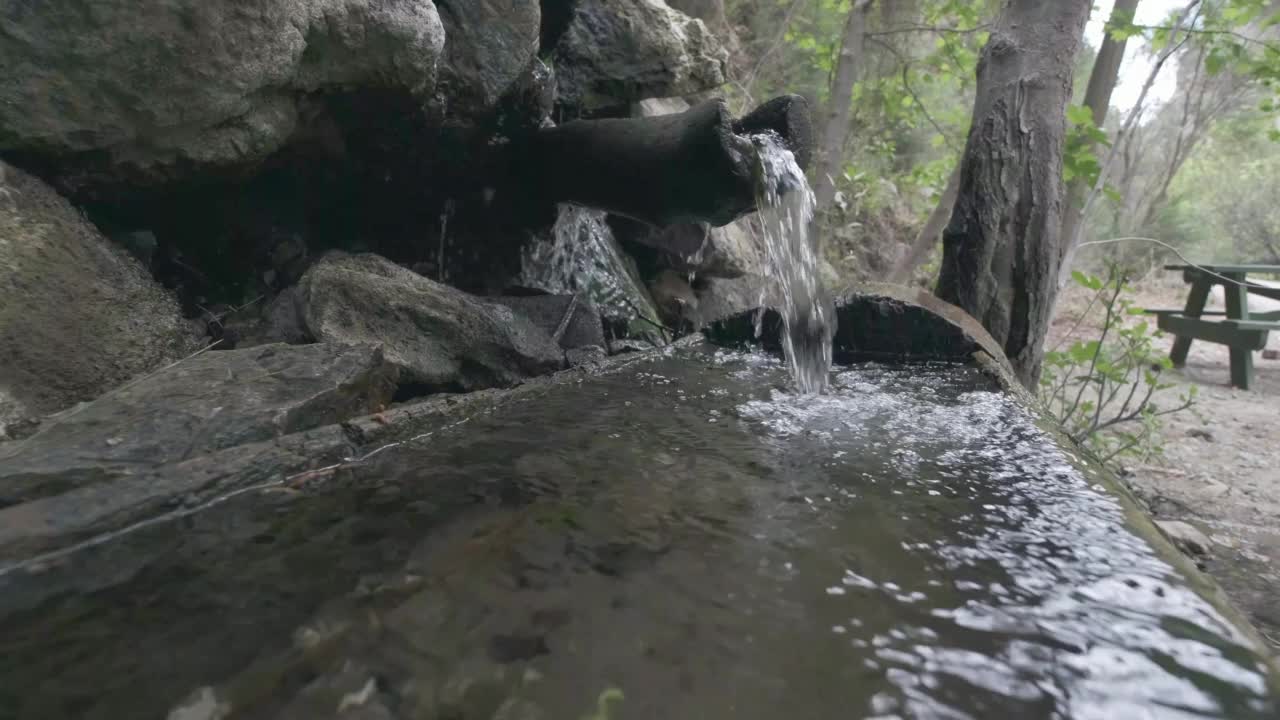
(1214, 62)
(1079, 115)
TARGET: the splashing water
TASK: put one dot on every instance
(786, 207)
(582, 256)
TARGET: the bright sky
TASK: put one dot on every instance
(1137, 61)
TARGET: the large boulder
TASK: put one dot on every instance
(440, 338)
(616, 52)
(492, 43)
(166, 83)
(210, 402)
(78, 315)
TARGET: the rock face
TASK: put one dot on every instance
(616, 52)
(162, 82)
(78, 315)
(439, 337)
(207, 403)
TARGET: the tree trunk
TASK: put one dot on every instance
(928, 234)
(1097, 97)
(839, 111)
(1003, 246)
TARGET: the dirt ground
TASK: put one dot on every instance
(1220, 471)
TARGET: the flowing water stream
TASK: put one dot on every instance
(687, 537)
(786, 206)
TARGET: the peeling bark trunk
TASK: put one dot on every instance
(1003, 246)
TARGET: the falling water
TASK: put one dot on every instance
(786, 205)
(582, 256)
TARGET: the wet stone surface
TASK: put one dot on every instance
(682, 539)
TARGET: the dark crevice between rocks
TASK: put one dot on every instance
(408, 392)
(367, 170)
(372, 170)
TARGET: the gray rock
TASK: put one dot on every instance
(213, 401)
(491, 44)
(655, 107)
(673, 296)
(519, 709)
(730, 251)
(439, 337)
(349, 692)
(1186, 536)
(617, 52)
(141, 244)
(78, 315)
(574, 318)
(279, 321)
(162, 82)
(1202, 433)
(630, 345)
(721, 298)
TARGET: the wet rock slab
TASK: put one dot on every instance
(214, 426)
(211, 402)
(440, 338)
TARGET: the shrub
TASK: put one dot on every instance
(1109, 392)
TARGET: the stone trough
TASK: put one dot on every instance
(318, 550)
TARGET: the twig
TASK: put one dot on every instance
(750, 82)
(1072, 243)
(930, 29)
(1093, 363)
(564, 321)
(645, 318)
(906, 85)
(1088, 309)
(1174, 250)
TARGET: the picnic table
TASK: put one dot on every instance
(1243, 332)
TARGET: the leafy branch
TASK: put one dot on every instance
(1108, 393)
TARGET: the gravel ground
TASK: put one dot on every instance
(1220, 471)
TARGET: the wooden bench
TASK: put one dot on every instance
(1241, 331)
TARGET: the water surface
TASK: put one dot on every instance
(683, 539)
